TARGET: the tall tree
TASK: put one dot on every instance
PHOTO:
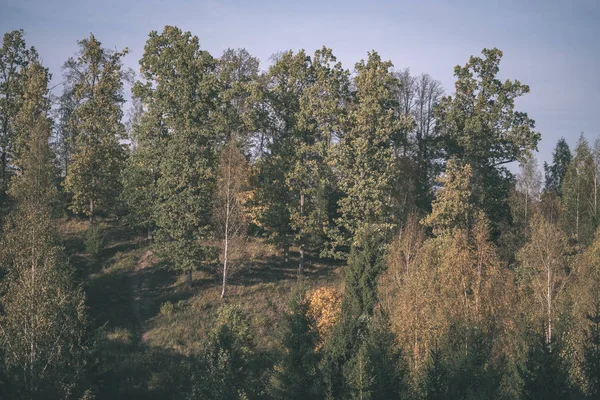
(452, 207)
(429, 92)
(14, 57)
(529, 183)
(179, 90)
(229, 216)
(98, 155)
(296, 376)
(480, 126)
(65, 134)
(544, 272)
(364, 157)
(554, 173)
(42, 326)
(578, 217)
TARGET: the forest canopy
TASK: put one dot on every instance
(307, 231)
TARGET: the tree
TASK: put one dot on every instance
(544, 271)
(481, 127)
(452, 207)
(578, 217)
(361, 358)
(98, 155)
(42, 326)
(428, 94)
(529, 183)
(364, 157)
(237, 73)
(179, 90)
(229, 215)
(436, 380)
(296, 376)
(65, 134)
(561, 157)
(225, 369)
(14, 57)
(591, 351)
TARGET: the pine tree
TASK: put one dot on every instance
(97, 159)
(436, 380)
(591, 352)
(554, 173)
(296, 376)
(225, 370)
(42, 326)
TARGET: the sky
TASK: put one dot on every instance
(552, 46)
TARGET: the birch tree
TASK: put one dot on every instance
(544, 272)
(42, 324)
(229, 215)
(578, 195)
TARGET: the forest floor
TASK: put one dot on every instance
(142, 349)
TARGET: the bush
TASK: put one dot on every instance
(166, 308)
(94, 241)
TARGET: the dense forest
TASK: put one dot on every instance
(301, 232)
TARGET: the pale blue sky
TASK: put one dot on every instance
(552, 46)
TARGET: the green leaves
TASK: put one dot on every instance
(98, 155)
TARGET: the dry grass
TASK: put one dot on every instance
(140, 349)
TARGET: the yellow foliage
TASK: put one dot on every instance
(324, 306)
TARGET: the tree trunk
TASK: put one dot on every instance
(301, 262)
(224, 268)
(549, 300)
(188, 278)
(91, 213)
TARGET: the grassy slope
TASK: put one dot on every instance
(141, 352)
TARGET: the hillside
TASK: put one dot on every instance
(142, 347)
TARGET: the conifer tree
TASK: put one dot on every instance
(296, 376)
(98, 155)
(554, 173)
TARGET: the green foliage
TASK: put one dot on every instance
(179, 90)
(297, 376)
(94, 176)
(554, 173)
(14, 57)
(166, 308)
(94, 241)
(591, 352)
(436, 379)
(452, 208)
(225, 369)
(481, 127)
(545, 375)
(43, 319)
(578, 195)
(364, 157)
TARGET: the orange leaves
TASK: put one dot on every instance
(324, 306)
